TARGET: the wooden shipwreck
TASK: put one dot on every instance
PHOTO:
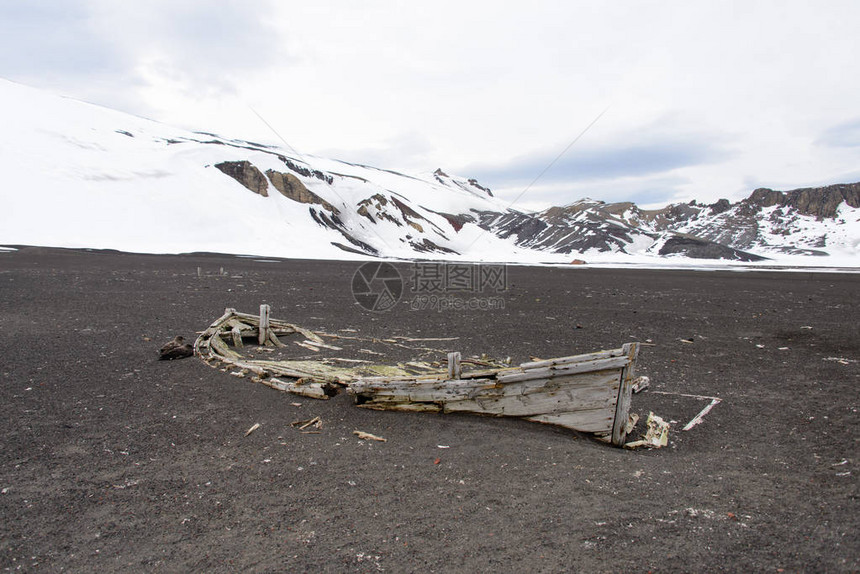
(589, 393)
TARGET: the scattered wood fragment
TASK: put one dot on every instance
(631, 422)
(323, 345)
(714, 401)
(367, 436)
(656, 436)
(699, 417)
(315, 422)
(641, 383)
(252, 429)
(840, 360)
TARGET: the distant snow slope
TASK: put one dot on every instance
(78, 175)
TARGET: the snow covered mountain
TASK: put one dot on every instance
(817, 222)
(78, 175)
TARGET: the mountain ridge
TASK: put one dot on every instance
(112, 180)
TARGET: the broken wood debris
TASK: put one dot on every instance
(315, 422)
(714, 401)
(641, 383)
(254, 427)
(589, 392)
(656, 436)
(367, 436)
(699, 417)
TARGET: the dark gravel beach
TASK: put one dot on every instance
(114, 461)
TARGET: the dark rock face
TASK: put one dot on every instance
(427, 246)
(474, 183)
(307, 172)
(720, 206)
(471, 185)
(247, 174)
(561, 235)
(524, 227)
(702, 249)
(332, 221)
(457, 221)
(378, 202)
(290, 187)
(820, 202)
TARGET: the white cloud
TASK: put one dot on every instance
(739, 92)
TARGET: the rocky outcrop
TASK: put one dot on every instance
(474, 183)
(290, 187)
(306, 171)
(409, 215)
(427, 246)
(245, 173)
(819, 202)
(377, 202)
(471, 185)
(563, 235)
(720, 206)
(702, 249)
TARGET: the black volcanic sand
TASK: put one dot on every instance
(115, 461)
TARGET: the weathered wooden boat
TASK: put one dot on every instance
(589, 393)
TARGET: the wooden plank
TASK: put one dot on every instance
(405, 385)
(274, 339)
(622, 404)
(311, 390)
(558, 401)
(573, 393)
(402, 407)
(565, 369)
(606, 380)
(234, 322)
(573, 359)
(595, 421)
(222, 349)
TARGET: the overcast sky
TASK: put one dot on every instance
(698, 99)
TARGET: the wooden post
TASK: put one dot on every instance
(454, 365)
(264, 324)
